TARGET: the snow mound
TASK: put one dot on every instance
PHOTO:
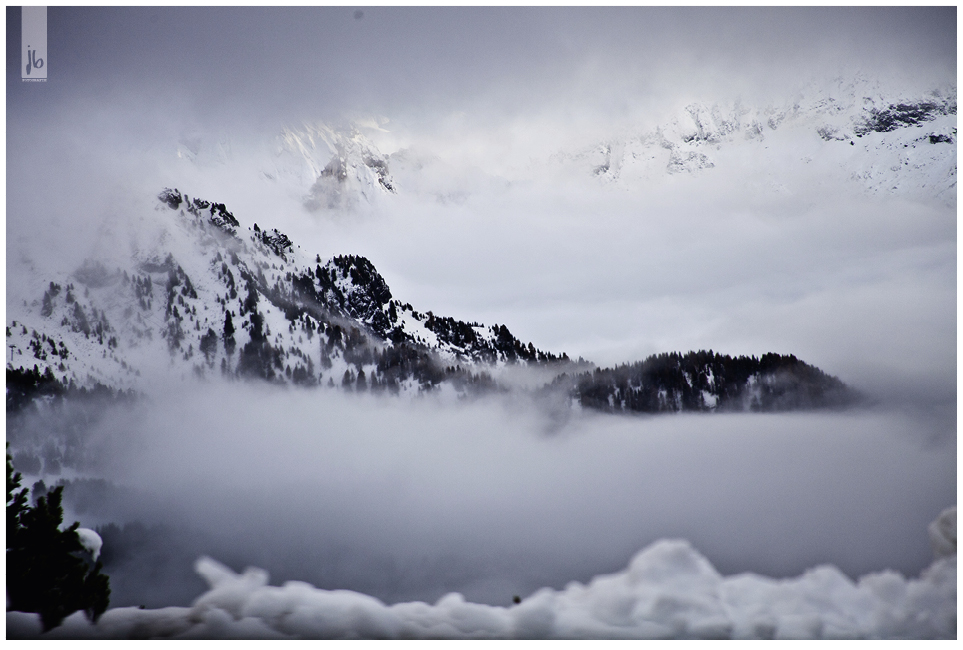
(668, 590)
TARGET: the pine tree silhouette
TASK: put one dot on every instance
(46, 570)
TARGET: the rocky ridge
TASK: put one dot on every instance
(906, 143)
(225, 303)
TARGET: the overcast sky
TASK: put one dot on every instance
(302, 62)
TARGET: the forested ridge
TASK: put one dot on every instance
(707, 381)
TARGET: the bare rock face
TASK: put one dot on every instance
(902, 115)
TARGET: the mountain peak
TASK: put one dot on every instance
(257, 308)
(341, 167)
(215, 213)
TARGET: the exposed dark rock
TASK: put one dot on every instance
(898, 116)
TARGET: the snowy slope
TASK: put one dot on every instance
(198, 298)
(889, 143)
(325, 167)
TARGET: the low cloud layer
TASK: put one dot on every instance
(406, 501)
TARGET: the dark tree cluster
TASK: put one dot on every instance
(228, 334)
(399, 363)
(208, 346)
(176, 277)
(515, 350)
(227, 276)
(278, 242)
(48, 297)
(464, 339)
(78, 320)
(258, 358)
(703, 381)
(24, 386)
(143, 290)
(39, 344)
(48, 570)
(358, 349)
(459, 334)
(96, 324)
(351, 284)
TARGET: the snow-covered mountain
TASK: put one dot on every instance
(329, 167)
(889, 143)
(211, 301)
(206, 300)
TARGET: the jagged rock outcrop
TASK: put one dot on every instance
(903, 115)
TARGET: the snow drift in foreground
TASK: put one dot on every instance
(668, 590)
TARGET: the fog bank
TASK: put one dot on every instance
(408, 500)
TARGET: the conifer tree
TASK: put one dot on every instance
(46, 570)
(229, 342)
